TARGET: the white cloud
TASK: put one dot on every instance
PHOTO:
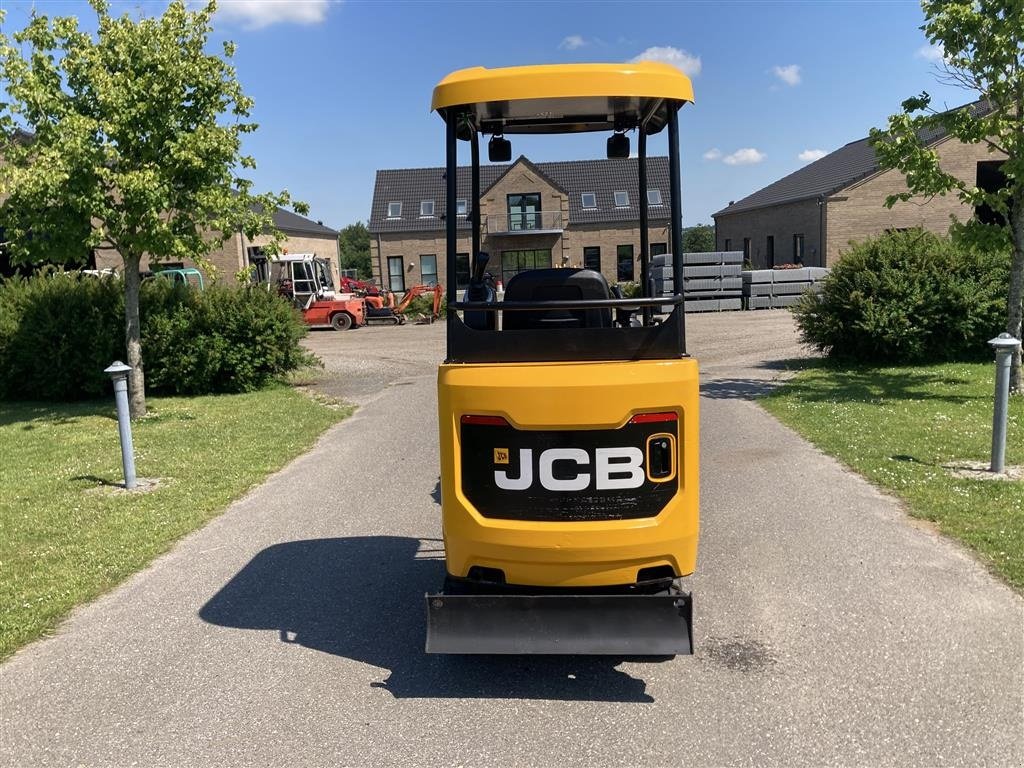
(933, 53)
(745, 156)
(572, 42)
(257, 14)
(810, 155)
(789, 74)
(677, 57)
(713, 154)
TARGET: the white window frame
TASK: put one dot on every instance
(616, 198)
(423, 275)
(391, 205)
(657, 194)
(462, 206)
(583, 201)
(423, 204)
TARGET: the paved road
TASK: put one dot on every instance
(830, 630)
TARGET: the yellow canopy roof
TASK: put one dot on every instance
(561, 98)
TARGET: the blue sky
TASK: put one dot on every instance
(343, 88)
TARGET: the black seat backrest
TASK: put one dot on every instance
(554, 285)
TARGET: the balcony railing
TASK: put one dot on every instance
(540, 222)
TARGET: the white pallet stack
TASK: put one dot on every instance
(712, 282)
(780, 288)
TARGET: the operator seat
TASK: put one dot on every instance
(556, 285)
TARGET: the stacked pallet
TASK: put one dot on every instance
(779, 288)
(711, 281)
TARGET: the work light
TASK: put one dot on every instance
(499, 149)
(618, 146)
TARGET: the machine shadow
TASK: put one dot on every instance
(362, 598)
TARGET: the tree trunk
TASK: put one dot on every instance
(133, 337)
(1013, 315)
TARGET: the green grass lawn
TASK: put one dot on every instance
(898, 426)
(67, 533)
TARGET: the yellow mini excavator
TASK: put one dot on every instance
(568, 434)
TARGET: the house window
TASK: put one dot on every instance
(798, 249)
(622, 199)
(428, 269)
(461, 207)
(654, 197)
(746, 249)
(769, 251)
(624, 263)
(395, 210)
(461, 270)
(514, 262)
(426, 208)
(257, 259)
(728, 244)
(588, 200)
(396, 273)
(659, 249)
(990, 178)
(524, 211)
(592, 258)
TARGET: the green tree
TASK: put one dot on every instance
(135, 145)
(983, 53)
(354, 249)
(699, 239)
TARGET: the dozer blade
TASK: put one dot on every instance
(637, 625)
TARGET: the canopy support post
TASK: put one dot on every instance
(475, 218)
(450, 212)
(676, 186)
(645, 272)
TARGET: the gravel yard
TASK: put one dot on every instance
(740, 353)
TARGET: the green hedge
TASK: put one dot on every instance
(59, 331)
(908, 297)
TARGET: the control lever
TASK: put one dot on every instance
(481, 288)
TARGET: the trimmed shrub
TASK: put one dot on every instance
(59, 331)
(223, 339)
(907, 297)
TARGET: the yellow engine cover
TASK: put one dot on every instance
(565, 399)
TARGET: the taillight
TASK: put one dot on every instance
(491, 421)
(649, 418)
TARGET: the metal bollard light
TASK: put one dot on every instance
(118, 372)
(1004, 345)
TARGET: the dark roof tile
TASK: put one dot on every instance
(833, 172)
(602, 177)
(287, 221)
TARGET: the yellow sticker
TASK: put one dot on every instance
(501, 455)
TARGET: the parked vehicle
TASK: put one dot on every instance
(381, 308)
(306, 279)
(184, 276)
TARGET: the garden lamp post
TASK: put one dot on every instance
(1004, 345)
(118, 373)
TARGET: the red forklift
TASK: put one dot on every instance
(305, 279)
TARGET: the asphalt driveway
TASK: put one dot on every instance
(830, 630)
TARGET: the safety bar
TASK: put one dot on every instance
(651, 301)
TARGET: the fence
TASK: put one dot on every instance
(716, 281)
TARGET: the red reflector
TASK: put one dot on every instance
(493, 421)
(647, 418)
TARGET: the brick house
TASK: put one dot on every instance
(814, 213)
(301, 235)
(579, 213)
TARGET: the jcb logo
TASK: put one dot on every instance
(613, 469)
